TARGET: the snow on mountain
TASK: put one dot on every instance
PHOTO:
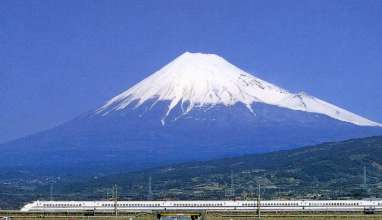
(194, 80)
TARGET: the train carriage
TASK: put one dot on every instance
(266, 205)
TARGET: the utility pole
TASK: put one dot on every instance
(115, 192)
(364, 177)
(51, 191)
(150, 194)
(232, 186)
(258, 201)
(364, 185)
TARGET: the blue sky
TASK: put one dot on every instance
(61, 58)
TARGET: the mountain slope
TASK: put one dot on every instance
(198, 107)
(329, 170)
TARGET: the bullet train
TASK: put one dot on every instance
(267, 206)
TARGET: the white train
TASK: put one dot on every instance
(267, 206)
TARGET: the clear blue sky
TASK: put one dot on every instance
(61, 58)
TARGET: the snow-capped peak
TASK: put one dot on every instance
(207, 79)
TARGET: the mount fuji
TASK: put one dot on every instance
(197, 107)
